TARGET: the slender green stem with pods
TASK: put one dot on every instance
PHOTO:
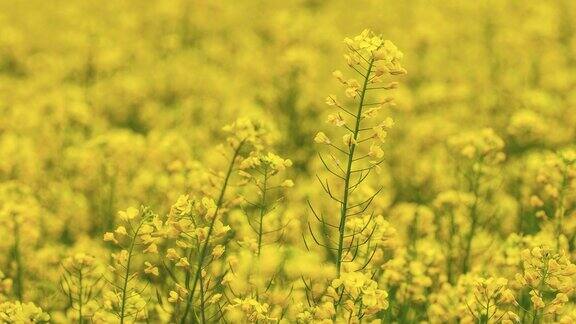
(204, 248)
(126, 278)
(262, 211)
(347, 176)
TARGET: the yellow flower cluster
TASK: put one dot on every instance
(16, 312)
(253, 310)
(359, 295)
(81, 282)
(481, 147)
(548, 276)
(491, 296)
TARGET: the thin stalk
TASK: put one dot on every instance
(413, 232)
(473, 226)
(127, 274)
(449, 258)
(202, 301)
(344, 205)
(204, 248)
(486, 317)
(262, 210)
(536, 315)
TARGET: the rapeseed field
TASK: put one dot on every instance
(306, 161)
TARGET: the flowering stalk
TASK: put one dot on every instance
(125, 301)
(80, 282)
(348, 174)
(204, 248)
(260, 170)
(262, 210)
(492, 298)
(480, 152)
(126, 277)
(372, 58)
(475, 187)
(540, 291)
(548, 278)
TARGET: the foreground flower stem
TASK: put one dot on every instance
(473, 225)
(262, 210)
(127, 274)
(344, 208)
(202, 301)
(204, 248)
(536, 314)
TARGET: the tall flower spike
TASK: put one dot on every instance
(245, 139)
(81, 282)
(373, 60)
(124, 299)
(261, 173)
(478, 153)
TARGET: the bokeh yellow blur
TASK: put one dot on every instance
(305, 161)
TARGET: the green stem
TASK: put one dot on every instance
(262, 210)
(344, 205)
(450, 253)
(204, 248)
(473, 225)
(127, 274)
(486, 317)
(536, 316)
(202, 311)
